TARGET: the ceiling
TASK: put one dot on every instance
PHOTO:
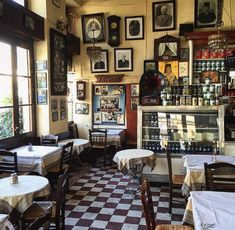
(74, 3)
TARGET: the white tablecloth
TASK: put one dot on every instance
(4, 223)
(78, 144)
(213, 210)
(123, 157)
(20, 195)
(37, 160)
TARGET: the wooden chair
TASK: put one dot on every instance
(49, 140)
(220, 176)
(8, 163)
(74, 130)
(175, 181)
(99, 145)
(147, 202)
(38, 209)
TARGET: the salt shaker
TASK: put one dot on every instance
(30, 147)
(13, 178)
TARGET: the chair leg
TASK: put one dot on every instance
(170, 198)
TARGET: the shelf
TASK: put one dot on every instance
(222, 71)
(210, 59)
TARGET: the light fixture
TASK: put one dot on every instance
(219, 39)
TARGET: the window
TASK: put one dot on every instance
(16, 91)
(21, 2)
(70, 96)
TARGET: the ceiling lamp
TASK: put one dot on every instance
(218, 40)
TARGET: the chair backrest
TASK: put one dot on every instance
(66, 155)
(74, 130)
(135, 166)
(60, 199)
(220, 176)
(147, 202)
(49, 140)
(98, 137)
(8, 161)
(169, 163)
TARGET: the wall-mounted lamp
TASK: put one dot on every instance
(62, 24)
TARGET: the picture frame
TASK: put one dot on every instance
(97, 119)
(134, 28)
(183, 69)
(54, 104)
(170, 69)
(41, 79)
(134, 103)
(123, 59)
(56, 3)
(184, 54)
(82, 108)
(150, 65)
(41, 65)
(207, 13)
(162, 50)
(135, 91)
(63, 114)
(81, 90)
(164, 15)
(102, 64)
(117, 90)
(29, 23)
(58, 50)
(55, 116)
(93, 28)
(42, 96)
(63, 103)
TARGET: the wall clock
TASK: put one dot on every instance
(114, 30)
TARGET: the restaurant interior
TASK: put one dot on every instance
(117, 114)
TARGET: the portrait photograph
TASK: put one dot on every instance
(134, 28)
(134, 90)
(134, 103)
(207, 13)
(101, 64)
(169, 70)
(123, 59)
(54, 104)
(41, 79)
(150, 66)
(62, 114)
(97, 118)
(183, 69)
(82, 108)
(164, 15)
(62, 104)
(93, 28)
(184, 53)
(55, 116)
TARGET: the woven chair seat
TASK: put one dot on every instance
(178, 179)
(173, 227)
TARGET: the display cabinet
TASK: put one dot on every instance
(196, 128)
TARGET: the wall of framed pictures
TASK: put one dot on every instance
(108, 105)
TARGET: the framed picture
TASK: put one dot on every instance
(117, 90)
(207, 13)
(123, 59)
(42, 96)
(184, 53)
(62, 114)
(101, 90)
(164, 15)
(101, 65)
(166, 47)
(150, 65)
(41, 65)
(170, 70)
(134, 28)
(213, 75)
(58, 63)
(93, 28)
(183, 69)
(55, 116)
(56, 3)
(97, 118)
(134, 103)
(41, 79)
(81, 90)
(54, 104)
(63, 104)
(82, 108)
(134, 90)
(29, 23)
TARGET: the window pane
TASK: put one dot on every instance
(5, 58)
(22, 61)
(25, 119)
(6, 121)
(21, 2)
(6, 98)
(23, 90)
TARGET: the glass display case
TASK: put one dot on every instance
(189, 129)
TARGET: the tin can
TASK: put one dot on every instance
(197, 54)
(194, 101)
(221, 53)
(169, 96)
(212, 102)
(205, 88)
(206, 102)
(213, 53)
(207, 81)
(200, 101)
(205, 54)
(182, 100)
(212, 88)
(163, 95)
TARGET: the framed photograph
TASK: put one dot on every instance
(134, 90)
(82, 108)
(134, 28)
(93, 28)
(101, 65)
(101, 90)
(150, 65)
(97, 118)
(164, 15)
(55, 116)
(41, 79)
(213, 75)
(63, 114)
(170, 70)
(81, 90)
(54, 104)
(58, 63)
(184, 54)
(123, 59)
(134, 103)
(41, 65)
(42, 96)
(120, 119)
(29, 23)
(207, 13)
(56, 3)
(183, 69)
(62, 104)
(166, 47)
(117, 90)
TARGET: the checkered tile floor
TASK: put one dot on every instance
(99, 200)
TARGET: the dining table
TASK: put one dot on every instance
(210, 210)
(194, 166)
(38, 159)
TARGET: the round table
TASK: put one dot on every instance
(123, 157)
(20, 195)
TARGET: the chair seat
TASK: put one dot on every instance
(178, 179)
(173, 227)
